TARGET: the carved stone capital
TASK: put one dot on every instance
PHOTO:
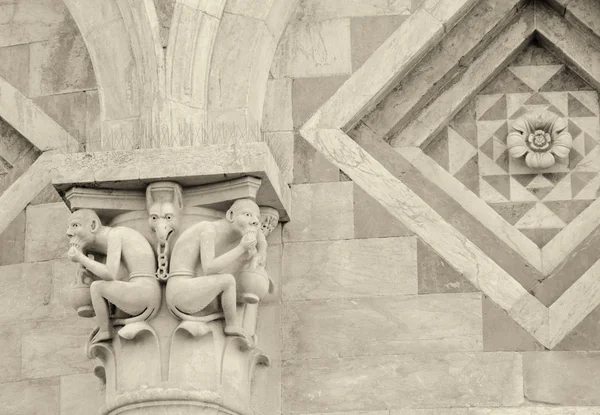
(173, 276)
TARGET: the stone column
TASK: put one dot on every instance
(163, 265)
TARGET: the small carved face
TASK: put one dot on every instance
(164, 220)
(82, 227)
(244, 216)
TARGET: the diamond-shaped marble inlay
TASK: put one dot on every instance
(554, 196)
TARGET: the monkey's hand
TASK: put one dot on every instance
(248, 241)
(75, 254)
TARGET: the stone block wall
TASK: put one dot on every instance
(323, 44)
(43, 55)
(43, 366)
(375, 322)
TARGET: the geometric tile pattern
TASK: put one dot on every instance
(473, 147)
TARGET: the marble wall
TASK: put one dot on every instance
(367, 318)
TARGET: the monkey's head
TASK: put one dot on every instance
(82, 227)
(244, 216)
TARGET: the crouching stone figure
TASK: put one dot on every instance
(222, 247)
(139, 295)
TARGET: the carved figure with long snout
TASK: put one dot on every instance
(222, 247)
(140, 295)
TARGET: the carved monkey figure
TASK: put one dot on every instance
(140, 295)
(222, 247)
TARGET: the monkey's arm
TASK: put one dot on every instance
(108, 271)
(261, 248)
(210, 264)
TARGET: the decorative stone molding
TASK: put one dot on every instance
(177, 322)
(541, 137)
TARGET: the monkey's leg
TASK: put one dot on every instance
(97, 292)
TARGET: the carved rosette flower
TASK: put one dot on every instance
(541, 137)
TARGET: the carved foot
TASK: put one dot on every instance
(237, 332)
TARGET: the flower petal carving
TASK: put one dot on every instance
(516, 145)
(539, 136)
(539, 160)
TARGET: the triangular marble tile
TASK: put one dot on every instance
(514, 102)
(486, 129)
(489, 194)
(588, 98)
(578, 109)
(438, 149)
(519, 193)
(562, 191)
(501, 183)
(459, 151)
(487, 167)
(469, 175)
(506, 82)
(568, 210)
(535, 76)
(540, 217)
(565, 80)
(558, 100)
(537, 99)
(579, 180)
(540, 236)
(496, 111)
(484, 102)
(512, 211)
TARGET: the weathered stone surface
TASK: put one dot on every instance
(70, 110)
(47, 195)
(277, 113)
(396, 56)
(12, 241)
(352, 268)
(13, 146)
(63, 276)
(10, 355)
(50, 349)
(375, 326)
(585, 336)
(34, 20)
(322, 211)
(373, 221)
(31, 397)
(442, 411)
(310, 166)
(80, 394)
(585, 11)
(60, 65)
(536, 410)
(282, 148)
(308, 94)
(436, 275)
(266, 389)
(231, 64)
(274, 270)
(368, 33)
(353, 413)
(45, 233)
(268, 329)
(14, 66)
(502, 333)
(448, 12)
(310, 49)
(330, 9)
(562, 378)
(20, 299)
(414, 380)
